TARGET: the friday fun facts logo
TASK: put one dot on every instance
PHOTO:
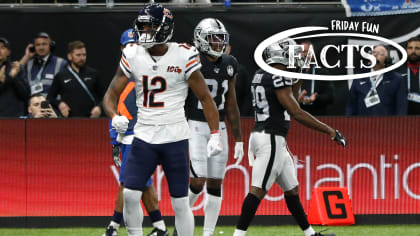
(338, 28)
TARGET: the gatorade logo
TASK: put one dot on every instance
(334, 203)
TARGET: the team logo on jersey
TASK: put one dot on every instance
(174, 69)
(229, 70)
(130, 34)
(216, 70)
(154, 68)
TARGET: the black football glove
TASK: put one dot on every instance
(340, 139)
(116, 150)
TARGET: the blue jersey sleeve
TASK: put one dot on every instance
(113, 134)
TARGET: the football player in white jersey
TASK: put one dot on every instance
(121, 145)
(163, 72)
(219, 70)
(274, 103)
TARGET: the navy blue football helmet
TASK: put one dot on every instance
(154, 25)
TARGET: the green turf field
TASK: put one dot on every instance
(365, 230)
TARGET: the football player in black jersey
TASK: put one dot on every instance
(274, 104)
(219, 70)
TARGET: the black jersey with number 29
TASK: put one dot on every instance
(270, 116)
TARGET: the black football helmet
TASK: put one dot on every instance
(154, 25)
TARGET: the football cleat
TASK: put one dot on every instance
(158, 232)
(110, 231)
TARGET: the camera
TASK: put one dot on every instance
(45, 105)
(32, 49)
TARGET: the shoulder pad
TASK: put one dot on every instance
(130, 50)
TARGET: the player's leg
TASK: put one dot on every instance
(263, 176)
(288, 182)
(200, 133)
(216, 167)
(174, 160)
(150, 201)
(141, 162)
(117, 217)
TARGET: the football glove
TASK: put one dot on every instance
(239, 152)
(214, 146)
(116, 150)
(120, 123)
(339, 138)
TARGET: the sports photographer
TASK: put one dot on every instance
(39, 107)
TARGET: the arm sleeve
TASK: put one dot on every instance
(112, 134)
(125, 66)
(192, 62)
(21, 85)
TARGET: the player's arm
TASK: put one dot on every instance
(113, 92)
(201, 91)
(232, 111)
(287, 100)
(233, 117)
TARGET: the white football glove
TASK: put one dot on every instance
(239, 152)
(120, 123)
(214, 146)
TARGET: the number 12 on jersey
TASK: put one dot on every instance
(149, 94)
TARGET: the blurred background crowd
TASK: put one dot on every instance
(41, 83)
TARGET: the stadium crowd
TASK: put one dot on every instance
(72, 88)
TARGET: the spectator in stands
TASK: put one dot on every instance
(77, 85)
(315, 95)
(14, 90)
(380, 95)
(242, 88)
(39, 107)
(411, 75)
(41, 65)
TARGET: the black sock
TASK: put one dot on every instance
(155, 216)
(295, 207)
(249, 207)
(117, 217)
(195, 190)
